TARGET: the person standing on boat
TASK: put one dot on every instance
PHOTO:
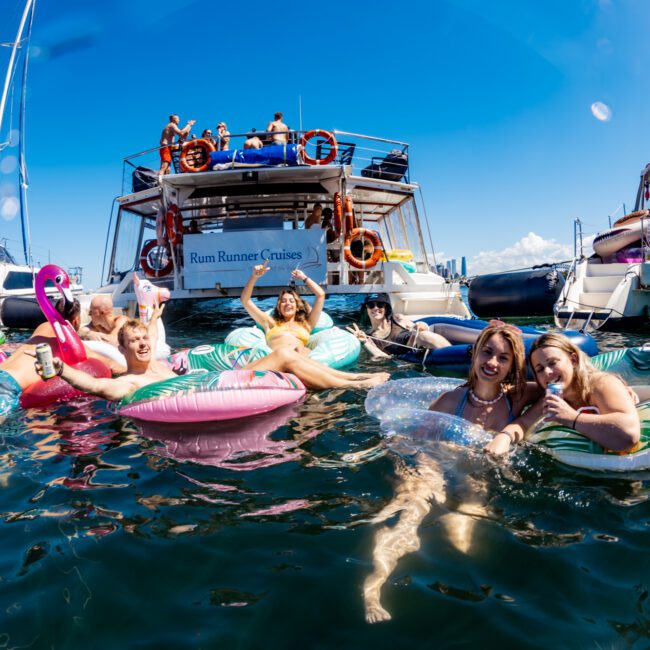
(104, 324)
(223, 139)
(278, 130)
(287, 330)
(314, 219)
(390, 333)
(167, 141)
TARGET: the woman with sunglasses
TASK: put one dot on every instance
(598, 405)
(494, 394)
(287, 331)
(389, 333)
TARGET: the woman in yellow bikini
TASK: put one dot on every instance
(287, 331)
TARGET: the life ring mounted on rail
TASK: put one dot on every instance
(373, 238)
(349, 214)
(174, 225)
(152, 251)
(329, 139)
(195, 151)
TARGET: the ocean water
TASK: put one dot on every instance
(259, 534)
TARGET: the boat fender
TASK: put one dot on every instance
(338, 214)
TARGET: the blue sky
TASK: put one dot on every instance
(494, 98)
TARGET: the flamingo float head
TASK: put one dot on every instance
(71, 349)
(149, 296)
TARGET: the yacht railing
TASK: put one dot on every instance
(365, 154)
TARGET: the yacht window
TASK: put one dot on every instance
(18, 280)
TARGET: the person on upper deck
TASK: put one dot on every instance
(252, 141)
(207, 135)
(278, 130)
(167, 140)
(224, 137)
(287, 331)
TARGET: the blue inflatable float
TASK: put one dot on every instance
(463, 333)
(272, 154)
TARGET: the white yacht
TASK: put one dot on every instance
(610, 289)
(199, 231)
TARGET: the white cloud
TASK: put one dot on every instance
(528, 251)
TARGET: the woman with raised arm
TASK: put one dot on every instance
(287, 331)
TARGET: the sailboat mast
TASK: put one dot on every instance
(12, 59)
(24, 181)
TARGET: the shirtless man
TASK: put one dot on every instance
(167, 140)
(252, 141)
(18, 372)
(279, 130)
(136, 343)
(104, 325)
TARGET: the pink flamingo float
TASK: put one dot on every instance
(68, 346)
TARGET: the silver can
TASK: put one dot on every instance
(44, 357)
(555, 389)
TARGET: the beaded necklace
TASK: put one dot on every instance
(485, 402)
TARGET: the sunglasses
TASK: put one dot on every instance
(372, 305)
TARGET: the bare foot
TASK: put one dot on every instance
(374, 380)
(375, 613)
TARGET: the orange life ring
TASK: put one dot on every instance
(147, 267)
(377, 253)
(174, 225)
(329, 139)
(349, 214)
(338, 213)
(189, 152)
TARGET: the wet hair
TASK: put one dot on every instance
(302, 308)
(515, 380)
(583, 371)
(131, 325)
(278, 116)
(68, 310)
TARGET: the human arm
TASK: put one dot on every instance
(109, 389)
(615, 427)
(262, 319)
(86, 334)
(186, 129)
(317, 290)
(407, 324)
(367, 342)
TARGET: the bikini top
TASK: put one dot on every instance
(295, 329)
(463, 402)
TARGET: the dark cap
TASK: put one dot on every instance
(377, 297)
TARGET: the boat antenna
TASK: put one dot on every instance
(300, 112)
(426, 218)
(24, 181)
(12, 59)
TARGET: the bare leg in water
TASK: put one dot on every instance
(413, 502)
(313, 374)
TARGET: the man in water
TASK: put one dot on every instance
(18, 372)
(167, 141)
(278, 129)
(136, 342)
(104, 325)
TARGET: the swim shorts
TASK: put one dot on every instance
(165, 154)
(9, 392)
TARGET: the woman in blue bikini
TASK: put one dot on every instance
(493, 396)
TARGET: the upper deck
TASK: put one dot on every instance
(237, 213)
